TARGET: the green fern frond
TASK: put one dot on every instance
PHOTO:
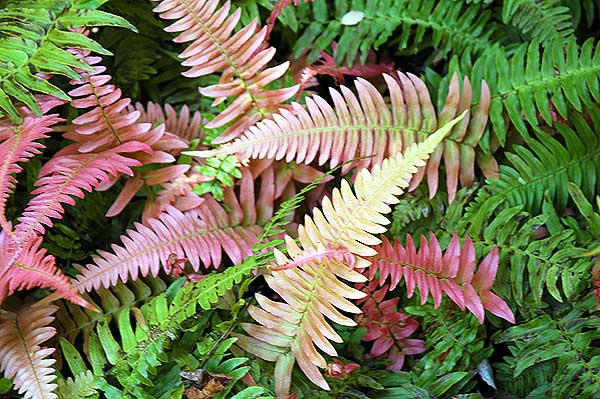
(548, 165)
(543, 20)
(34, 37)
(534, 86)
(421, 23)
(562, 339)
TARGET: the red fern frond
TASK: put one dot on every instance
(21, 356)
(437, 273)
(239, 55)
(387, 327)
(68, 174)
(21, 143)
(200, 235)
(24, 265)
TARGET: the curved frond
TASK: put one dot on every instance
(240, 55)
(451, 273)
(364, 126)
(184, 125)
(24, 265)
(294, 329)
(21, 143)
(200, 235)
(421, 24)
(21, 356)
(68, 174)
(543, 20)
(35, 38)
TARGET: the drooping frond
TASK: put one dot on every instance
(240, 55)
(531, 86)
(21, 356)
(183, 125)
(70, 174)
(294, 329)
(543, 20)
(364, 126)
(35, 38)
(388, 328)
(451, 273)
(200, 235)
(20, 143)
(24, 265)
(421, 23)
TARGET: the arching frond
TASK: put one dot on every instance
(21, 143)
(240, 55)
(21, 356)
(294, 329)
(184, 125)
(451, 273)
(364, 126)
(200, 235)
(542, 20)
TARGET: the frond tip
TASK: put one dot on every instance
(450, 273)
(22, 357)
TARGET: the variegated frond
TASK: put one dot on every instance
(200, 235)
(21, 356)
(19, 144)
(184, 125)
(24, 265)
(309, 284)
(364, 125)
(241, 56)
(70, 173)
(451, 273)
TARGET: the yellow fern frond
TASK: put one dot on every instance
(294, 329)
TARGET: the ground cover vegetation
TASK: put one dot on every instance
(359, 199)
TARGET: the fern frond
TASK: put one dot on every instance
(35, 38)
(543, 20)
(365, 127)
(531, 85)
(239, 55)
(21, 356)
(292, 330)
(422, 23)
(200, 235)
(24, 265)
(21, 143)
(68, 174)
(387, 327)
(452, 273)
(108, 124)
(80, 387)
(547, 165)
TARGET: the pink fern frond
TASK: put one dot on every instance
(20, 144)
(71, 174)
(451, 273)
(22, 357)
(241, 56)
(24, 265)
(200, 235)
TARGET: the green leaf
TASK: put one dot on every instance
(87, 18)
(72, 357)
